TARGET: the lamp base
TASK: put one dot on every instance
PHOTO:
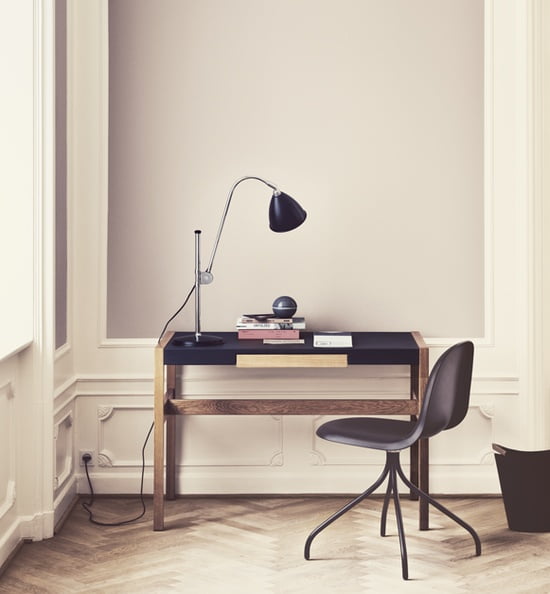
(192, 340)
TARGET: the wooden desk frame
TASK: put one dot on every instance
(167, 406)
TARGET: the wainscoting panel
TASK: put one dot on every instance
(7, 449)
(115, 367)
(267, 454)
(114, 447)
(66, 460)
(63, 435)
(9, 520)
(218, 441)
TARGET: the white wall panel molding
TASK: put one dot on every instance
(7, 448)
(87, 75)
(36, 372)
(63, 440)
(214, 446)
(7, 390)
(116, 446)
(120, 385)
(113, 440)
(351, 383)
(490, 249)
(541, 20)
(64, 395)
(105, 459)
(534, 76)
(490, 220)
(495, 386)
(126, 343)
(206, 441)
(62, 351)
(65, 437)
(64, 367)
(218, 441)
(227, 381)
(469, 444)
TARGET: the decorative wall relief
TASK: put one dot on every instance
(117, 446)
(218, 441)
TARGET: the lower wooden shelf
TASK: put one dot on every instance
(234, 406)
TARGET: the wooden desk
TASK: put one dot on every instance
(369, 348)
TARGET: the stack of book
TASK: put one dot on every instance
(270, 330)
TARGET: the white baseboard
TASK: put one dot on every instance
(279, 481)
(37, 527)
(9, 542)
(65, 500)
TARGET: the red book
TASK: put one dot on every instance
(259, 334)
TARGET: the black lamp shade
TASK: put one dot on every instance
(285, 213)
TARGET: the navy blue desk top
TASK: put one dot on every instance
(369, 348)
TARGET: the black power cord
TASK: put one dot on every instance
(87, 505)
(177, 312)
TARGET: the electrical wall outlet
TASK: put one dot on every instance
(92, 455)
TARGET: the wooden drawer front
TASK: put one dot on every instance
(321, 360)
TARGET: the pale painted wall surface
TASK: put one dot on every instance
(26, 182)
(282, 454)
(16, 303)
(16, 175)
(96, 392)
(369, 113)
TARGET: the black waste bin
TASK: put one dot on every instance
(525, 483)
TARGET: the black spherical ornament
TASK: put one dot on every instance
(284, 307)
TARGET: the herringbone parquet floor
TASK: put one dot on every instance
(254, 545)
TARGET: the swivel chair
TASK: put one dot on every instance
(444, 406)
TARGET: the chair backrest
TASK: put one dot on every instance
(447, 392)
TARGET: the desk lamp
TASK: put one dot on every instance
(285, 214)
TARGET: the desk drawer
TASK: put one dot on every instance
(321, 360)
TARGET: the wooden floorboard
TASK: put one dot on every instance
(255, 545)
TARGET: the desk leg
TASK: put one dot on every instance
(420, 461)
(423, 444)
(171, 437)
(158, 459)
(414, 450)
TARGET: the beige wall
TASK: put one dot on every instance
(112, 384)
(17, 137)
(26, 273)
(369, 113)
(99, 397)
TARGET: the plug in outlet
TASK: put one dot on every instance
(87, 453)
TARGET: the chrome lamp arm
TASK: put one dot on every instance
(224, 216)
